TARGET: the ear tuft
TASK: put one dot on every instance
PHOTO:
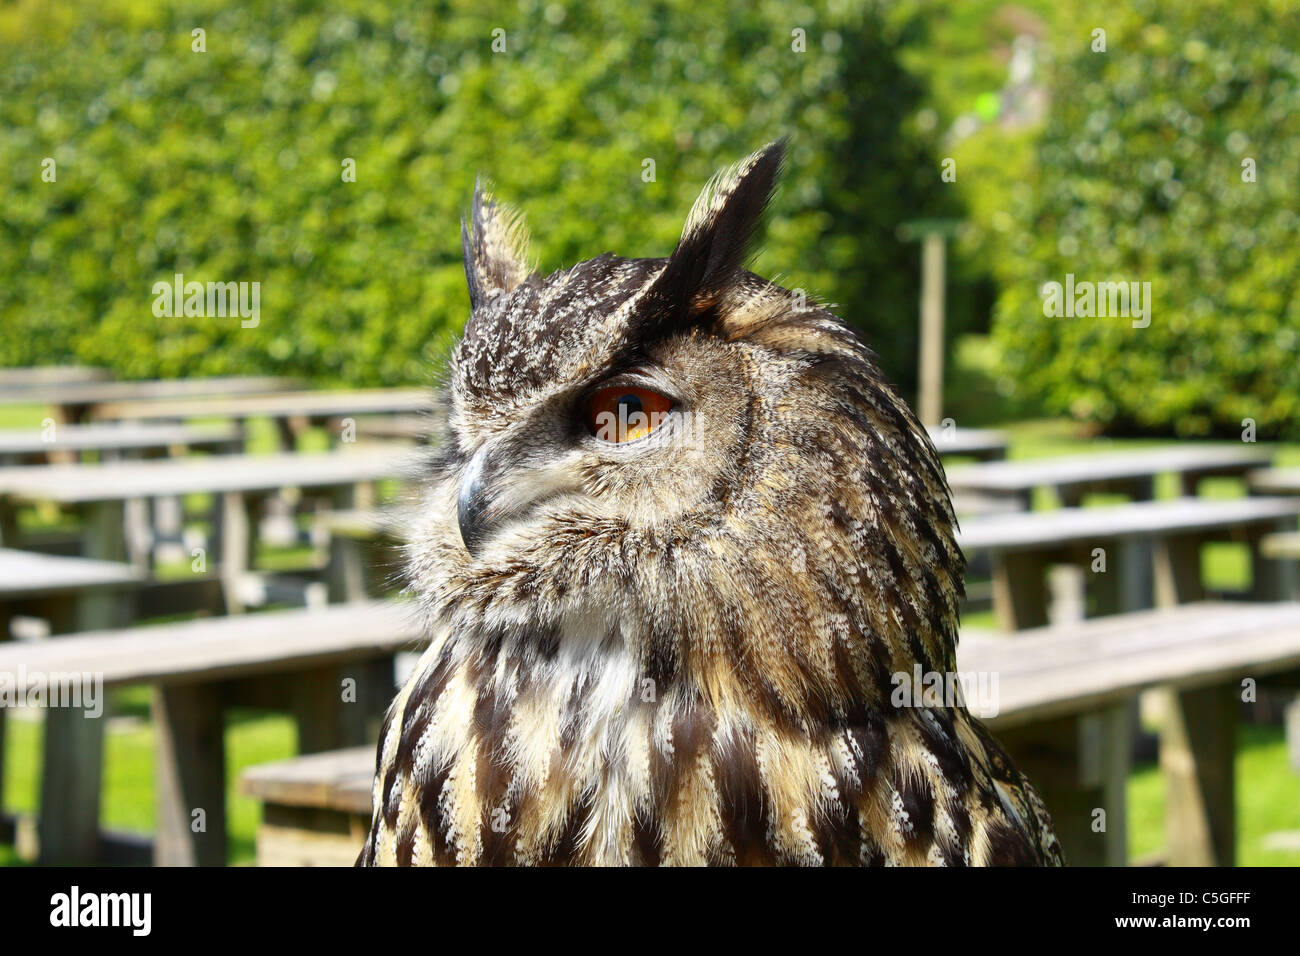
(719, 229)
(495, 242)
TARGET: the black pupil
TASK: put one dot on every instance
(628, 406)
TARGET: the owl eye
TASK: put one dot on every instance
(622, 413)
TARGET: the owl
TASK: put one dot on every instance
(679, 541)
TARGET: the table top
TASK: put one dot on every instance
(103, 436)
(280, 404)
(96, 393)
(30, 574)
(966, 441)
(1032, 530)
(1019, 476)
(1048, 672)
(219, 648)
(121, 481)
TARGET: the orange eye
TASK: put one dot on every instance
(625, 413)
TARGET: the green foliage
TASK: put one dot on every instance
(226, 165)
(1139, 178)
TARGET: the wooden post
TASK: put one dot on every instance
(932, 233)
(191, 775)
(1197, 750)
(930, 401)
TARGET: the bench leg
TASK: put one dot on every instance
(1177, 568)
(346, 575)
(376, 685)
(1079, 765)
(191, 775)
(1020, 594)
(1197, 750)
(236, 545)
(72, 770)
(6, 618)
(70, 787)
(1271, 579)
(326, 721)
(316, 702)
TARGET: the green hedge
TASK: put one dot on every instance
(1139, 178)
(226, 165)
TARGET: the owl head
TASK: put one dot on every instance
(678, 464)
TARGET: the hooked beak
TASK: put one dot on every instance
(475, 497)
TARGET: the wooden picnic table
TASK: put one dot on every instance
(297, 660)
(1127, 472)
(1065, 700)
(76, 401)
(1022, 545)
(1059, 698)
(112, 440)
(292, 412)
(72, 594)
(979, 443)
(242, 482)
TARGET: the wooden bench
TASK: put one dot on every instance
(297, 660)
(1152, 551)
(1061, 702)
(315, 808)
(980, 444)
(1128, 472)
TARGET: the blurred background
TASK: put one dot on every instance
(328, 150)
